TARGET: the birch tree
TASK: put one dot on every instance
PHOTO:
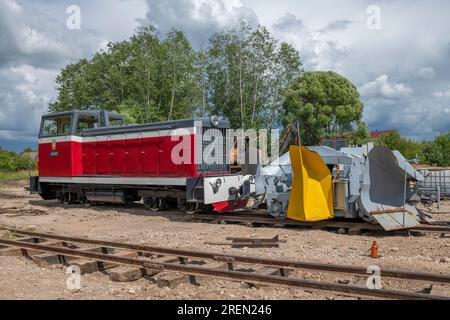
(247, 71)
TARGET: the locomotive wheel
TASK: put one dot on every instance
(148, 203)
(68, 198)
(193, 208)
(158, 204)
(182, 204)
(65, 198)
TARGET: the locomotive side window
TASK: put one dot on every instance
(115, 122)
(87, 122)
(57, 126)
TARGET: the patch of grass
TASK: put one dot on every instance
(18, 175)
(6, 235)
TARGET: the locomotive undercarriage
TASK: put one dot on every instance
(155, 198)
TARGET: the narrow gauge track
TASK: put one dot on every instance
(247, 217)
(37, 243)
(256, 218)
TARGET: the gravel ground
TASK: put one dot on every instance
(22, 279)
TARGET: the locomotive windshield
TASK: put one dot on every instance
(56, 126)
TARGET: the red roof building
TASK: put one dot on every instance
(377, 134)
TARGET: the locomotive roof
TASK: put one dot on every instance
(166, 125)
(83, 112)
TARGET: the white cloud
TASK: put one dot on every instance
(381, 87)
(442, 94)
(199, 19)
(115, 20)
(24, 95)
(33, 37)
(36, 83)
(33, 47)
(319, 49)
(426, 73)
(13, 5)
(337, 25)
(31, 41)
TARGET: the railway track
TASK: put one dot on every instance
(151, 260)
(255, 218)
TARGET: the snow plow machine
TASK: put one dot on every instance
(320, 183)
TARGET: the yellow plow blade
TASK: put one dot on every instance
(311, 197)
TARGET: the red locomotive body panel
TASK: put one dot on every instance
(60, 159)
(117, 157)
(89, 158)
(150, 156)
(103, 157)
(135, 157)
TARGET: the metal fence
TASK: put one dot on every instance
(436, 181)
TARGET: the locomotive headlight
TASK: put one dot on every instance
(215, 121)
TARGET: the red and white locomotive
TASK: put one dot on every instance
(92, 156)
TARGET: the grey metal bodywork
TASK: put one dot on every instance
(273, 182)
(371, 183)
(384, 197)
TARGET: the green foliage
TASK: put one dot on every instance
(247, 71)
(360, 135)
(409, 148)
(325, 103)
(437, 152)
(11, 162)
(241, 75)
(144, 78)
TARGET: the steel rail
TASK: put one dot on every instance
(389, 273)
(431, 228)
(232, 275)
(285, 222)
(257, 218)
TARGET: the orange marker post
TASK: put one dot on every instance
(374, 250)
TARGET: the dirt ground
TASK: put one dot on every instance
(22, 279)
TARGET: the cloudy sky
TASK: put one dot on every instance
(396, 51)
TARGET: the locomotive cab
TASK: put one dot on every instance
(60, 149)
